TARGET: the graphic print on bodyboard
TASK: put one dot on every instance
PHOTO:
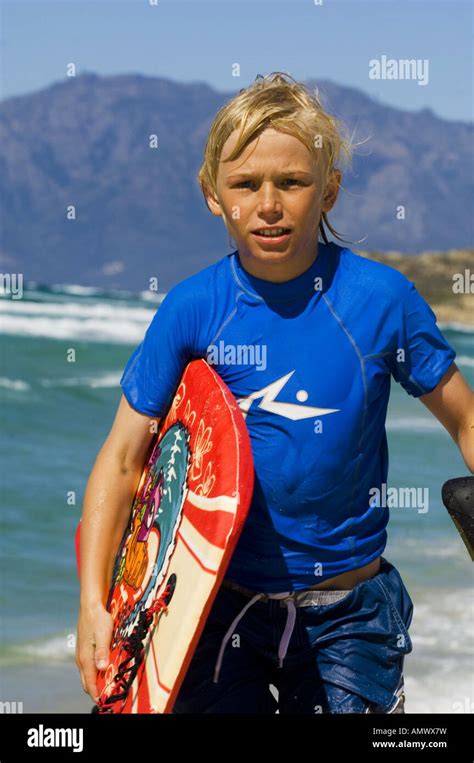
(186, 517)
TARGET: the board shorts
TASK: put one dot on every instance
(325, 651)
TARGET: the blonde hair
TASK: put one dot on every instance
(287, 106)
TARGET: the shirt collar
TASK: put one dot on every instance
(301, 286)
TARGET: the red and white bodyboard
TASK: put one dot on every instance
(188, 512)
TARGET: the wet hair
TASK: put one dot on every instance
(277, 100)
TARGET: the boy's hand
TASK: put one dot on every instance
(94, 633)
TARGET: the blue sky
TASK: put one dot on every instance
(190, 41)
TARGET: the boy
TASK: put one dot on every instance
(309, 602)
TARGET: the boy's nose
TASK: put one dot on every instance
(268, 199)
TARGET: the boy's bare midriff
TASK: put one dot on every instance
(348, 580)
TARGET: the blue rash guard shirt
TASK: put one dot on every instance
(310, 362)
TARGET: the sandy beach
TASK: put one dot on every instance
(438, 276)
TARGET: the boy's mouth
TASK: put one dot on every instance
(275, 234)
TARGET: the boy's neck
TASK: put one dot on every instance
(278, 272)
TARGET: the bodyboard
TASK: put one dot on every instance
(189, 509)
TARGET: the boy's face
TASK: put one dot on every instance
(274, 182)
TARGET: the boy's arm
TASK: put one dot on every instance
(107, 503)
(108, 498)
(452, 402)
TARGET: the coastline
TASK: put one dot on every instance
(434, 275)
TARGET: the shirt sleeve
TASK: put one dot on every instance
(153, 371)
(422, 354)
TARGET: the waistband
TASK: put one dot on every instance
(305, 598)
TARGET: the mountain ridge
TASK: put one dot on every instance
(140, 213)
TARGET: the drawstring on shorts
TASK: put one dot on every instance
(287, 633)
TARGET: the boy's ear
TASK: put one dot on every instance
(332, 190)
(213, 204)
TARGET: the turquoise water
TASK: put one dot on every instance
(56, 415)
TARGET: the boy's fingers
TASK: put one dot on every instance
(90, 674)
(81, 672)
(101, 657)
(95, 658)
(102, 646)
(83, 682)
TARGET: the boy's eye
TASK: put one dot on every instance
(245, 182)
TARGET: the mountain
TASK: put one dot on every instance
(140, 212)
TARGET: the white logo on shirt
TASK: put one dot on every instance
(288, 410)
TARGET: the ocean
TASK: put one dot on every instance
(56, 415)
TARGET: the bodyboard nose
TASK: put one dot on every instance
(458, 498)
